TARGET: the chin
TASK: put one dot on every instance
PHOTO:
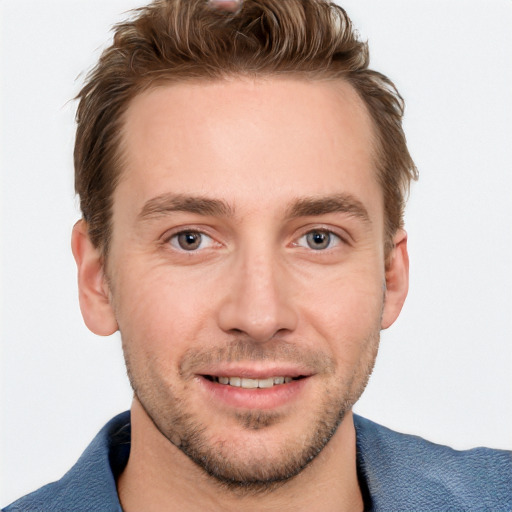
(259, 450)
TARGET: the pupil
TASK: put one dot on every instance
(318, 240)
(189, 241)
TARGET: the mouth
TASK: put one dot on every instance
(245, 389)
(248, 383)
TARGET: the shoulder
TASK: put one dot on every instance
(90, 483)
(405, 472)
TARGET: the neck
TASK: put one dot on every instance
(159, 477)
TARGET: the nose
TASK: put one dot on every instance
(258, 299)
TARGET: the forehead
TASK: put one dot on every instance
(244, 139)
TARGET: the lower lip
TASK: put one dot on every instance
(258, 398)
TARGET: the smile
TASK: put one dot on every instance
(244, 382)
(261, 390)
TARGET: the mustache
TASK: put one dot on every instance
(247, 350)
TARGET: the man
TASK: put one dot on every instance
(242, 177)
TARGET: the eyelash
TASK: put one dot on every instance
(188, 232)
(333, 238)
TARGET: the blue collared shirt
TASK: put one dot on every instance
(397, 472)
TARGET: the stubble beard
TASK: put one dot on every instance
(236, 472)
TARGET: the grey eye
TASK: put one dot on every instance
(319, 240)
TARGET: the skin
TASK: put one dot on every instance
(226, 5)
(275, 283)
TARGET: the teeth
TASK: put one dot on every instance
(249, 383)
(245, 383)
(266, 383)
(235, 381)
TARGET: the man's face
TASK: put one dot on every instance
(246, 269)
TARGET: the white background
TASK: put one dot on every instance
(444, 369)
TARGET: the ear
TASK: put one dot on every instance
(397, 279)
(93, 290)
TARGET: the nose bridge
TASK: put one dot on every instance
(257, 302)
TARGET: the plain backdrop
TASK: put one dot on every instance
(444, 369)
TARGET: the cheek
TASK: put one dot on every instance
(350, 296)
(160, 307)
(346, 312)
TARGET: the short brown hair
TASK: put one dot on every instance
(177, 40)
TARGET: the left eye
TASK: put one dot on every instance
(190, 241)
(319, 240)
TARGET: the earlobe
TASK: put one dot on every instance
(93, 289)
(397, 280)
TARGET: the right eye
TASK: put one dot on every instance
(190, 241)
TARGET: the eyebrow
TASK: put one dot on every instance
(338, 203)
(169, 203)
(304, 207)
